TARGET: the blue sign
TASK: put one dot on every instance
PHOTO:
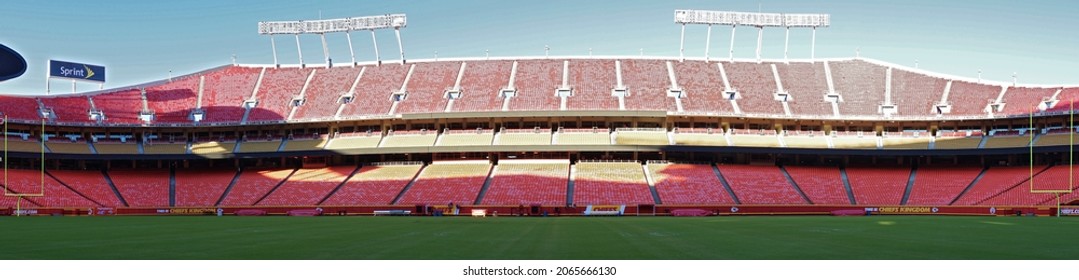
(78, 71)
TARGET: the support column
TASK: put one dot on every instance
(707, 43)
(760, 38)
(378, 60)
(351, 52)
(733, 28)
(786, 45)
(273, 45)
(326, 51)
(400, 47)
(682, 45)
(298, 50)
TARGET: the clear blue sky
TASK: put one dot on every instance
(140, 41)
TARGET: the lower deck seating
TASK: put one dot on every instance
(44, 190)
(253, 185)
(822, 185)
(996, 180)
(528, 182)
(1054, 179)
(374, 185)
(940, 185)
(688, 184)
(308, 186)
(878, 185)
(142, 188)
(201, 188)
(611, 183)
(90, 184)
(754, 184)
(442, 183)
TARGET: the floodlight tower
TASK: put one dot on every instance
(397, 24)
(758, 20)
(346, 25)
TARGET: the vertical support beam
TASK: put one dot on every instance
(351, 52)
(326, 51)
(760, 39)
(786, 45)
(682, 45)
(298, 50)
(378, 59)
(733, 28)
(400, 47)
(273, 45)
(707, 43)
(813, 45)
(48, 86)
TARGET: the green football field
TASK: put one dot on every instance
(764, 237)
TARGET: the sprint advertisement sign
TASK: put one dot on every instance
(76, 71)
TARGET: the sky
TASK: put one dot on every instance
(142, 41)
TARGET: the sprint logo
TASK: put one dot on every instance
(89, 73)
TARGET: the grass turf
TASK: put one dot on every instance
(773, 237)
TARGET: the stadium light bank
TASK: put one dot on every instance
(758, 20)
(323, 26)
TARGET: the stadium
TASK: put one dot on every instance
(545, 136)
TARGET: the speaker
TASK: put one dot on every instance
(12, 64)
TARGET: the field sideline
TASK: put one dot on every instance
(773, 237)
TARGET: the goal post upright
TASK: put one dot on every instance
(1071, 160)
(20, 196)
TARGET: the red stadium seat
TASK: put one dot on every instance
(754, 184)
(324, 92)
(427, 86)
(822, 185)
(688, 184)
(878, 186)
(528, 182)
(142, 188)
(442, 183)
